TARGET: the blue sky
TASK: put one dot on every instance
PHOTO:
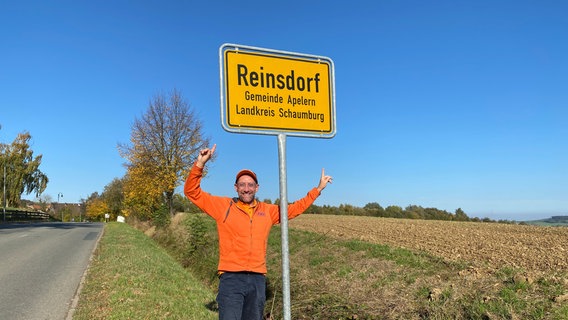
(445, 104)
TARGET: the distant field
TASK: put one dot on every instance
(544, 223)
(488, 245)
(550, 222)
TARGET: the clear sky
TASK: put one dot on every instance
(445, 104)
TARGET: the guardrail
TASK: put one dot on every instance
(21, 215)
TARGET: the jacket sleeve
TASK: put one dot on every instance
(211, 205)
(301, 205)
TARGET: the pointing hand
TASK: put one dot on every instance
(324, 180)
(205, 155)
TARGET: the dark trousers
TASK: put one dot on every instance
(241, 296)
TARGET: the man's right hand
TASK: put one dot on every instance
(204, 156)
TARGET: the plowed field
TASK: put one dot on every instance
(484, 245)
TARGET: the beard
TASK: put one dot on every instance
(247, 198)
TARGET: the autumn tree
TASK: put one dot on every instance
(22, 170)
(96, 207)
(113, 196)
(163, 145)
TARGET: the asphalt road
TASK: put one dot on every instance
(41, 266)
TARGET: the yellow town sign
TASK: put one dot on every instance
(271, 92)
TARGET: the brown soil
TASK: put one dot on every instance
(486, 245)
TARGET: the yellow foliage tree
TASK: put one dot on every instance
(142, 191)
(96, 209)
(163, 145)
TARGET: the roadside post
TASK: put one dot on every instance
(272, 92)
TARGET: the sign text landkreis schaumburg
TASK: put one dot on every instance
(290, 82)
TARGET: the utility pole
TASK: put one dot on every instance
(60, 195)
(4, 193)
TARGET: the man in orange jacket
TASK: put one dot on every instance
(243, 225)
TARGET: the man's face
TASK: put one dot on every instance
(246, 189)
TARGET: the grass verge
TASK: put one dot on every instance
(131, 277)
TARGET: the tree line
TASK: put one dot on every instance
(374, 209)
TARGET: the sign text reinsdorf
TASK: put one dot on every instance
(272, 91)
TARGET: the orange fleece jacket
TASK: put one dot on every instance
(242, 239)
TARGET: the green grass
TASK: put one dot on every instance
(131, 277)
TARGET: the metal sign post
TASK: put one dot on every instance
(265, 91)
(284, 226)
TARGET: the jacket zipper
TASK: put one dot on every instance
(250, 241)
(250, 253)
